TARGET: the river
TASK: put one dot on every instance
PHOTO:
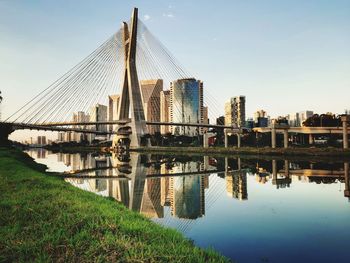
(250, 210)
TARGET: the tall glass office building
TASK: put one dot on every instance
(186, 105)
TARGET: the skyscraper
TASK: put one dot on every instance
(113, 106)
(205, 118)
(186, 105)
(98, 113)
(60, 137)
(41, 140)
(297, 119)
(164, 110)
(304, 115)
(235, 112)
(80, 116)
(150, 90)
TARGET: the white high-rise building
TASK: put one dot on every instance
(150, 90)
(205, 118)
(235, 112)
(164, 110)
(304, 115)
(80, 117)
(297, 119)
(98, 113)
(113, 107)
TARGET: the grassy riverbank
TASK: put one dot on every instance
(43, 218)
(322, 152)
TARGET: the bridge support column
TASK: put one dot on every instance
(206, 137)
(285, 138)
(149, 144)
(226, 138)
(345, 120)
(311, 139)
(273, 134)
(238, 140)
(205, 141)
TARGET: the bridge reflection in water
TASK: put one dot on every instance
(177, 191)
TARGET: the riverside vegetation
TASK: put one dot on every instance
(43, 218)
(266, 151)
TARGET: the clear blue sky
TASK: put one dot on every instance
(285, 56)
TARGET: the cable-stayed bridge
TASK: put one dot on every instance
(129, 56)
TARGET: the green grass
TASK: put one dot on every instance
(43, 218)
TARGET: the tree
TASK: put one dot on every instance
(323, 120)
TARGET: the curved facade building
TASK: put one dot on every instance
(186, 105)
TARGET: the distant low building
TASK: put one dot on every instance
(261, 119)
(262, 122)
(281, 120)
(250, 123)
(259, 114)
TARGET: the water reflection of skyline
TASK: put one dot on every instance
(180, 189)
(229, 204)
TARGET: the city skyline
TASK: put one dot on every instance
(175, 130)
(304, 58)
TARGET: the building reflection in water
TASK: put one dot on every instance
(38, 153)
(236, 185)
(183, 192)
(279, 179)
(178, 192)
(346, 181)
(155, 187)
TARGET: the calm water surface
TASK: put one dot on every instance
(249, 210)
